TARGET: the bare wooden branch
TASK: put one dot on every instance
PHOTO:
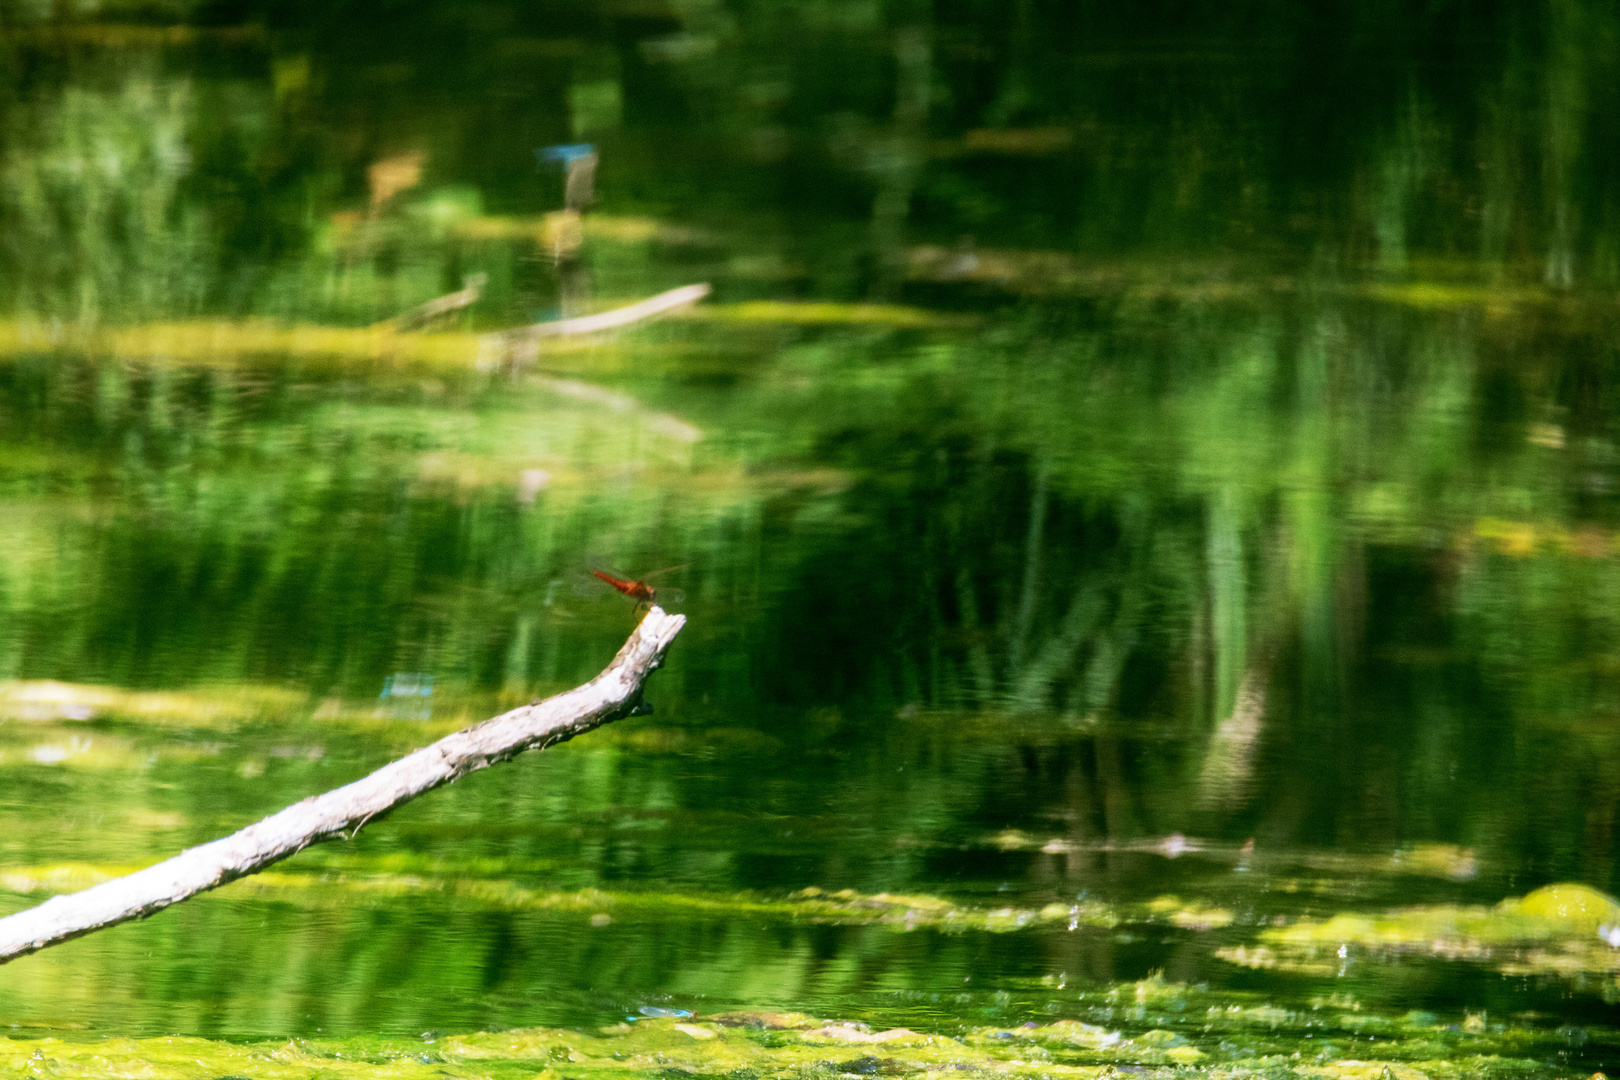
(423, 314)
(341, 812)
(523, 343)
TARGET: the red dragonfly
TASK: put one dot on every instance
(640, 590)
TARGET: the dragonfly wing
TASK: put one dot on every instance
(594, 583)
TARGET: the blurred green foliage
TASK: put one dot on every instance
(1114, 423)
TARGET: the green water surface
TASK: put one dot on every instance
(1143, 490)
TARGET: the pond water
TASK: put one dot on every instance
(1143, 489)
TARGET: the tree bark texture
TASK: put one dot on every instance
(341, 812)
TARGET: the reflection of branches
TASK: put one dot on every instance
(1081, 657)
(1228, 765)
(982, 671)
(1032, 565)
(1112, 649)
(1033, 682)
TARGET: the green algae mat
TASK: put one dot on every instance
(1331, 1040)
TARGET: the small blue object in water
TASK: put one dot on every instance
(407, 695)
(564, 153)
(407, 684)
(655, 1012)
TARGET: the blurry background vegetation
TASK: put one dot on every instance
(1112, 421)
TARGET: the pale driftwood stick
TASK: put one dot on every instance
(341, 812)
(423, 314)
(524, 342)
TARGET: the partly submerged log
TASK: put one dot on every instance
(522, 345)
(341, 812)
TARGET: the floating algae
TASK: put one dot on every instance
(346, 881)
(1563, 929)
(1224, 1037)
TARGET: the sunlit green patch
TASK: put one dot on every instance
(87, 726)
(60, 746)
(1521, 539)
(1194, 915)
(49, 712)
(222, 343)
(820, 314)
(1443, 295)
(1495, 299)
(1559, 929)
(649, 1048)
(45, 700)
(225, 343)
(59, 877)
(353, 882)
(1450, 861)
(327, 879)
(623, 229)
(791, 1045)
